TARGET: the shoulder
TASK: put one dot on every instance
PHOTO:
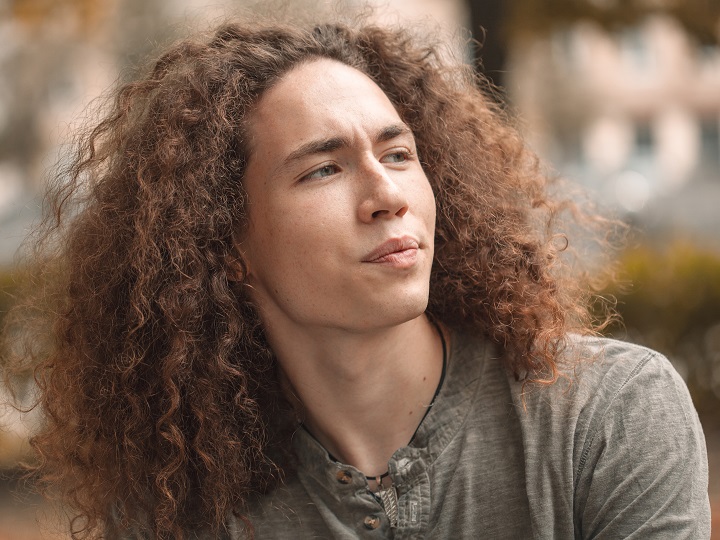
(284, 513)
(602, 382)
(611, 394)
(278, 514)
(628, 394)
(598, 375)
(621, 426)
(610, 363)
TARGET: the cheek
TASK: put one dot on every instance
(426, 202)
(303, 222)
(316, 212)
(293, 229)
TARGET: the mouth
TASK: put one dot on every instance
(400, 252)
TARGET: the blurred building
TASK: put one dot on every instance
(54, 60)
(634, 115)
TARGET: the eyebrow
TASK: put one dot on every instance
(321, 146)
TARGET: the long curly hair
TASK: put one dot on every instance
(159, 392)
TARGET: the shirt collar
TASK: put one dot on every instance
(467, 361)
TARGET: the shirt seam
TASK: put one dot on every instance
(584, 456)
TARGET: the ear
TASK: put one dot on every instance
(236, 268)
(236, 263)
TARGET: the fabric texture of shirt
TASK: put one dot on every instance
(613, 449)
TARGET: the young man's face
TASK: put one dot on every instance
(341, 214)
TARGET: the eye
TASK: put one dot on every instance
(322, 172)
(399, 156)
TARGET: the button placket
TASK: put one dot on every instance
(371, 522)
(344, 477)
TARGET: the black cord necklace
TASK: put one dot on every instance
(387, 495)
(378, 479)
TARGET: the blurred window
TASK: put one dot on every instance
(644, 138)
(710, 140)
(569, 138)
(635, 50)
(565, 49)
(708, 56)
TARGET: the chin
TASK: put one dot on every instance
(405, 309)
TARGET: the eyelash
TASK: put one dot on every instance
(315, 173)
(405, 154)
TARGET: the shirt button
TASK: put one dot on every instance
(371, 522)
(343, 476)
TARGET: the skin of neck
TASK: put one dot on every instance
(361, 395)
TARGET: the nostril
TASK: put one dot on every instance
(378, 213)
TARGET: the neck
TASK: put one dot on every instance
(362, 395)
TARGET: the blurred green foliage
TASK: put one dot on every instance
(669, 300)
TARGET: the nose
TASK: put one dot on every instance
(383, 197)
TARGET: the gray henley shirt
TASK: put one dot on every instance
(612, 450)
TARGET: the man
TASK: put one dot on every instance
(314, 291)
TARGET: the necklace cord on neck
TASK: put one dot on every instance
(432, 401)
(427, 410)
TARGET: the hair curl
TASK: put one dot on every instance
(158, 388)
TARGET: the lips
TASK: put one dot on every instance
(396, 251)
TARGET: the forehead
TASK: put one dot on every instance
(318, 99)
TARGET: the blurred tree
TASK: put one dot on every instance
(488, 19)
(496, 23)
(699, 17)
(673, 306)
(36, 13)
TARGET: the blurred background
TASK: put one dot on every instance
(621, 96)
